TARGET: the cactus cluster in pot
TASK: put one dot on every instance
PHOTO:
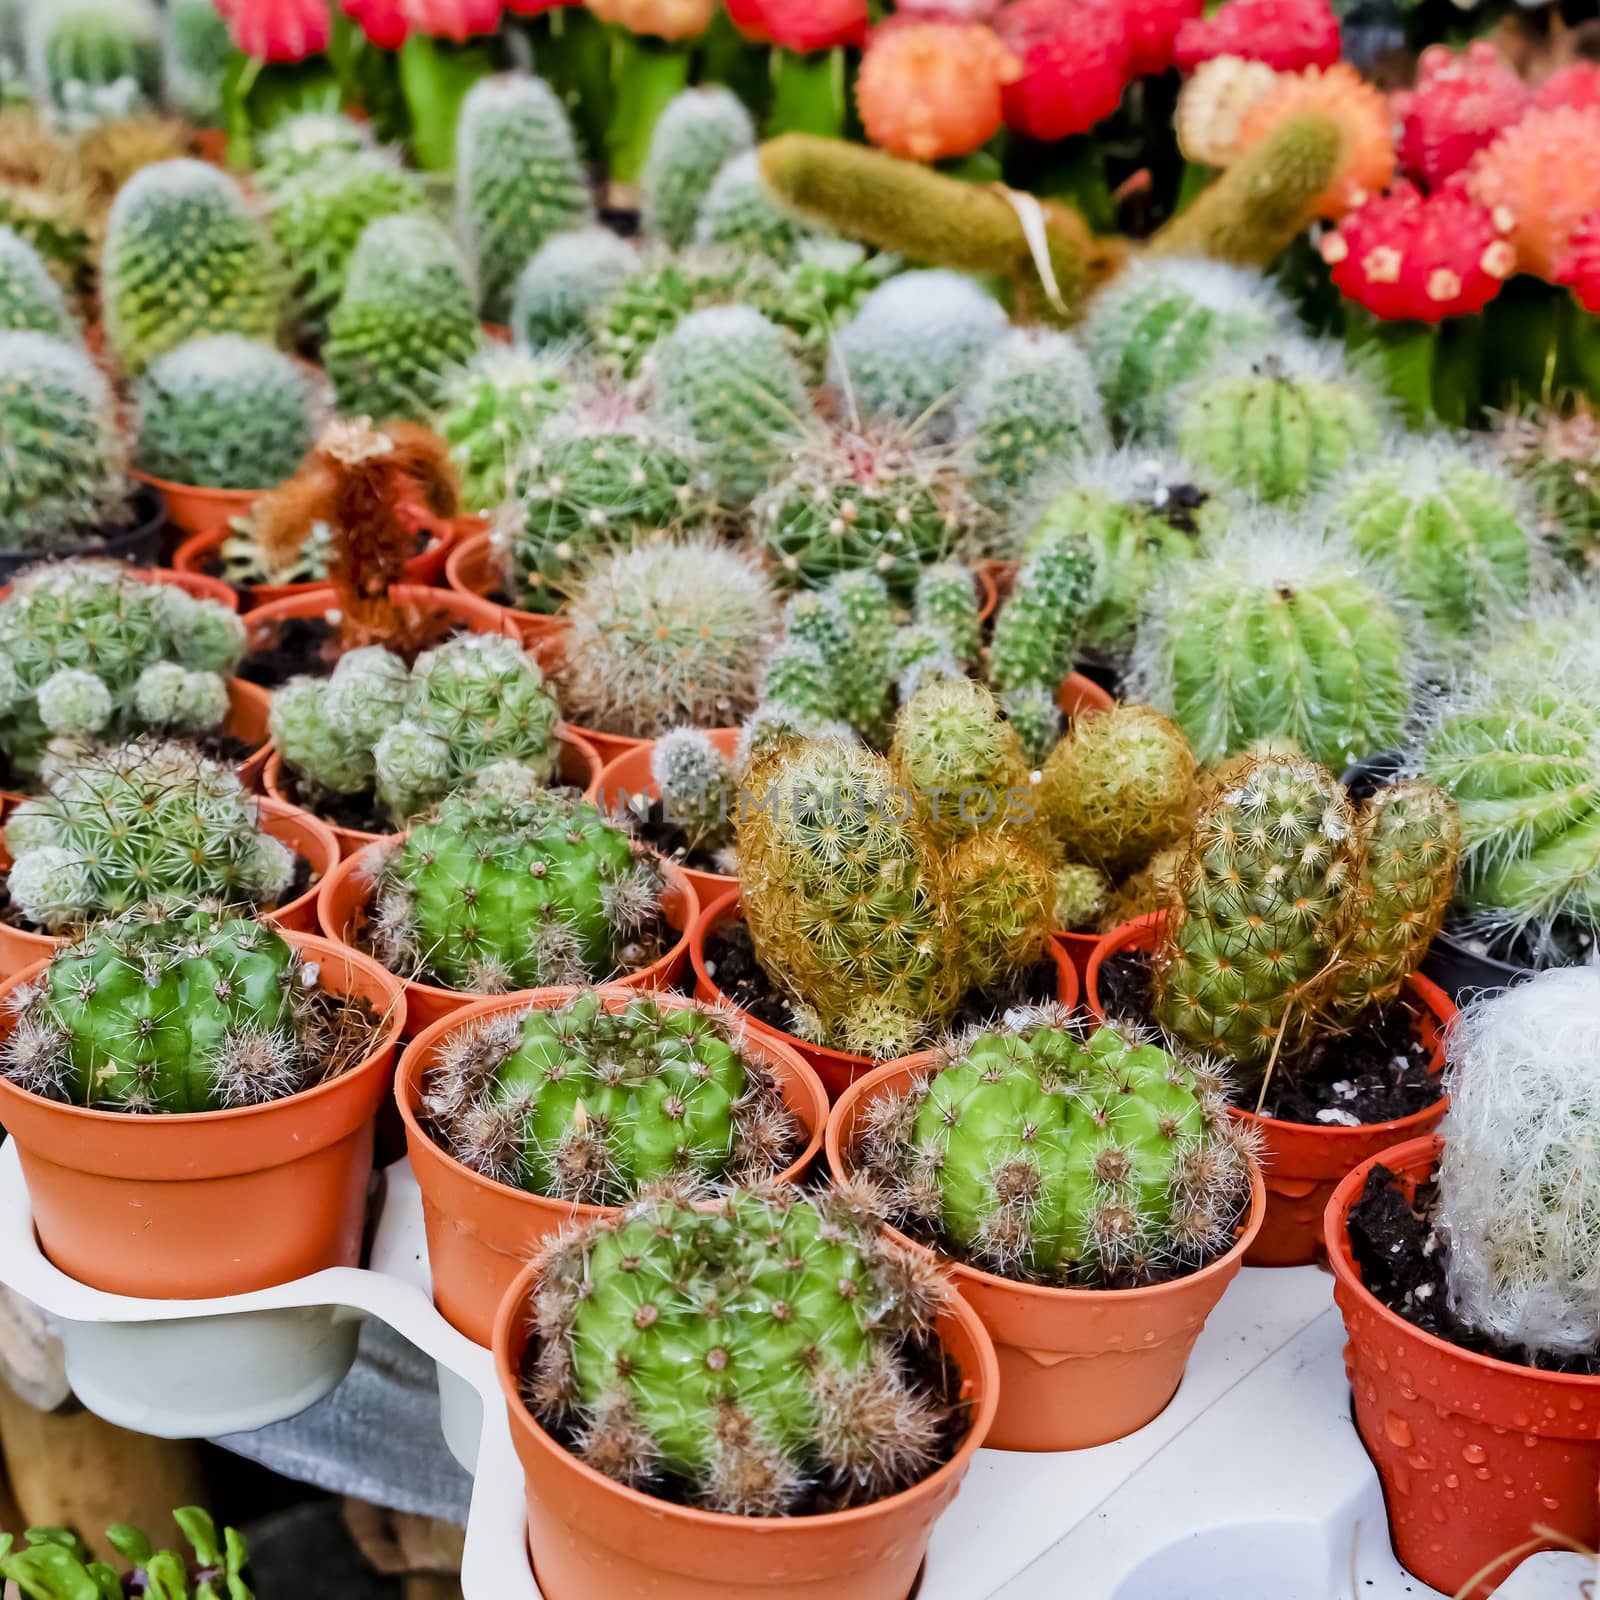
(491, 413)
(699, 793)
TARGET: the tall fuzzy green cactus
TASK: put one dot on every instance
(947, 599)
(694, 139)
(569, 278)
(741, 213)
(628, 324)
(1037, 631)
(304, 141)
(581, 1102)
(30, 299)
(93, 58)
(198, 46)
(184, 255)
(519, 179)
(490, 414)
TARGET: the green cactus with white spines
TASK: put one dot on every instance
(1043, 1156)
(795, 1312)
(920, 654)
(1449, 531)
(519, 179)
(579, 1102)
(946, 598)
(1279, 425)
(198, 46)
(962, 761)
(184, 255)
(817, 294)
(223, 412)
(1279, 636)
(301, 143)
(30, 299)
(862, 664)
(1082, 895)
(1032, 710)
(495, 891)
(1162, 323)
(799, 678)
(407, 317)
(741, 213)
(1037, 631)
(724, 377)
(1032, 408)
(93, 58)
(63, 471)
(569, 278)
(491, 413)
(699, 789)
(137, 823)
(628, 325)
(694, 139)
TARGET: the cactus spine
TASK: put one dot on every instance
(491, 412)
(694, 139)
(569, 278)
(30, 299)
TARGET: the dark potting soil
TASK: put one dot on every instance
(1402, 1260)
(299, 645)
(359, 812)
(667, 838)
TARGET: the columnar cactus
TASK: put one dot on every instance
(569, 278)
(508, 887)
(223, 412)
(804, 1384)
(491, 412)
(740, 213)
(694, 139)
(1037, 631)
(184, 255)
(519, 179)
(699, 790)
(1053, 1159)
(946, 598)
(580, 1102)
(147, 821)
(406, 317)
(93, 58)
(30, 299)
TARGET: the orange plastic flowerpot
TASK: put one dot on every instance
(442, 611)
(1475, 1455)
(472, 569)
(837, 1069)
(186, 1207)
(1078, 694)
(1078, 1367)
(197, 511)
(197, 584)
(628, 775)
(1305, 1161)
(1077, 948)
(481, 1233)
(594, 1538)
(342, 910)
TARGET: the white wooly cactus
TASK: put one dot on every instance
(300, 143)
(694, 139)
(570, 277)
(1519, 1181)
(93, 59)
(30, 299)
(741, 213)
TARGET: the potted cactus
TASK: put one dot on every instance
(524, 1115)
(751, 1463)
(52, 1563)
(1084, 1190)
(191, 1095)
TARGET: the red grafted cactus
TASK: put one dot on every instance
(1462, 101)
(383, 22)
(1286, 34)
(1152, 27)
(1074, 60)
(458, 20)
(807, 25)
(279, 31)
(927, 90)
(1541, 178)
(1580, 267)
(1577, 86)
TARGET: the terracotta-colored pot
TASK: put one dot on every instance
(198, 511)
(1474, 1454)
(1078, 1367)
(1078, 694)
(472, 569)
(628, 775)
(593, 1537)
(196, 584)
(342, 909)
(444, 608)
(837, 1069)
(481, 1233)
(185, 1207)
(1305, 1160)
(1077, 948)
(577, 764)
(298, 829)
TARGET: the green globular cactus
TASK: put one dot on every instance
(1163, 322)
(1037, 631)
(1032, 409)
(694, 139)
(946, 598)
(1280, 636)
(1082, 895)
(699, 789)
(817, 294)
(300, 143)
(668, 634)
(198, 46)
(519, 179)
(223, 412)
(628, 325)
(1032, 710)
(919, 655)
(1554, 453)
(184, 255)
(584, 1103)
(490, 414)
(870, 502)
(1039, 1155)
(1279, 425)
(63, 467)
(406, 318)
(151, 1015)
(1000, 898)
(566, 282)
(749, 1354)
(740, 213)
(497, 891)
(89, 59)
(724, 377)
(30, 299)
(143, 822)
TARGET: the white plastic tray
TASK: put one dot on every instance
(1252, 1485)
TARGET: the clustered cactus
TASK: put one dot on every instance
(30, 299)
(628, 324)
(52, 1558)
(491, 413)
(569, 278)
(739, 212)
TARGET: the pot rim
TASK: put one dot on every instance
(164, 485)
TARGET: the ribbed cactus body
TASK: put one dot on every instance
(81, 50)
(946, 598)
(569, 278)
(30, 299)
(1037, 631)
(741, 213)
(958, 758)
(629, 324)
(198, 46)
(694, 139)
(491, 413)
(519, 179)
(300, 143)
(184, 256)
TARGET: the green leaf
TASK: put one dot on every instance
(129, 1543)
(168, 1576)
(201, 1532)
(50, 1572)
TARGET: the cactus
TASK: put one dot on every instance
(53, 1557)
(30, 299)
(1049, 1158)
(185, 256)
(1001, 904)
(740, 213)
(694, 139)
(628, 325)
(1281, 425)
(1163, 322)
(93, 58)
(569, 278)
(491, 412)
(699, 791)
(519, 179)
(725, 378)
(1037, 631)
(817, 294)
(1279, 636)
(406, 317)
(859, 636)
(197, 51)
(947, 599)
(805, 1385)
(583, 1103)
(497, 891)
(146, 821)
(63, 470)
(1033, 712)
(1082, 895)
(667, 634)
(1555, 455)
(305, 141)
(223, 412)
